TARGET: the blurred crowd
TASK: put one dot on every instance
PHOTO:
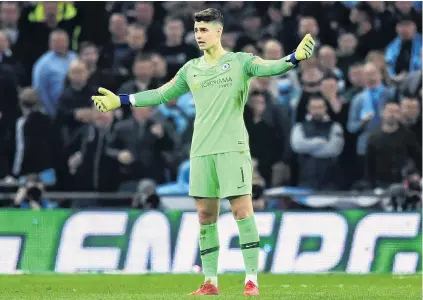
(348, 118)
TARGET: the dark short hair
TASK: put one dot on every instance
(316, 95)
(142, 57)
(390, 101)
(209, 15)
(86, 44)
(28, 94)
(330, 75)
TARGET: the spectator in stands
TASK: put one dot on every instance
(378, 59)
(405, 8)
(251, 29)
(137, 144)
(411, 116)
(118, 45)
(293, 31)
(51, 69)
(35, 141)
(318, 141)
(142, 70)
(37, 24)
(9, 17)
(311, 81)
(234, 10)
(327, 63)
(356, 80)
(368, 38)
(145, 16)
(262, 134)
(375, 94)
(337, 107)
(364, 114)
(306, 24)
(412, 84)
(97, 77)
(390, 148)
(382, 19)
(283, 88)
(160, 68)
(403, 54)
(137, 40)
(274, 13)
(75, 105)
(7, 56)
(175, 51)
(346, 56)
(92, 168)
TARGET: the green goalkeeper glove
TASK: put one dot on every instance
(109, 101)
(303, 51)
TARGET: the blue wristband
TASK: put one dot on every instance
(124, 99)
(292, 59)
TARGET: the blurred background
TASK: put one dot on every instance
(341, 131)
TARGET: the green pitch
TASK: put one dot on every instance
(284, 287)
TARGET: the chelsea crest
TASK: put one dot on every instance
(226, 67)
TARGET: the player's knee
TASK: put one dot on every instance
(207, 217)
(242, 207)
(242, 213)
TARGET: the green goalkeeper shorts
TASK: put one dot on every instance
(221, 175)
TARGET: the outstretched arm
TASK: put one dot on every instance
(171, 90)
(258, 67)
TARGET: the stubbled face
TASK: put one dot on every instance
(391, 114)
(90, 56)
(317, 108)
(207, 34)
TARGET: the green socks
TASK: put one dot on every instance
(209, 251)
(250, 246)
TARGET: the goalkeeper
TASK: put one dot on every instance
(220, 161)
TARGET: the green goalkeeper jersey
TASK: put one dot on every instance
(220, 91)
